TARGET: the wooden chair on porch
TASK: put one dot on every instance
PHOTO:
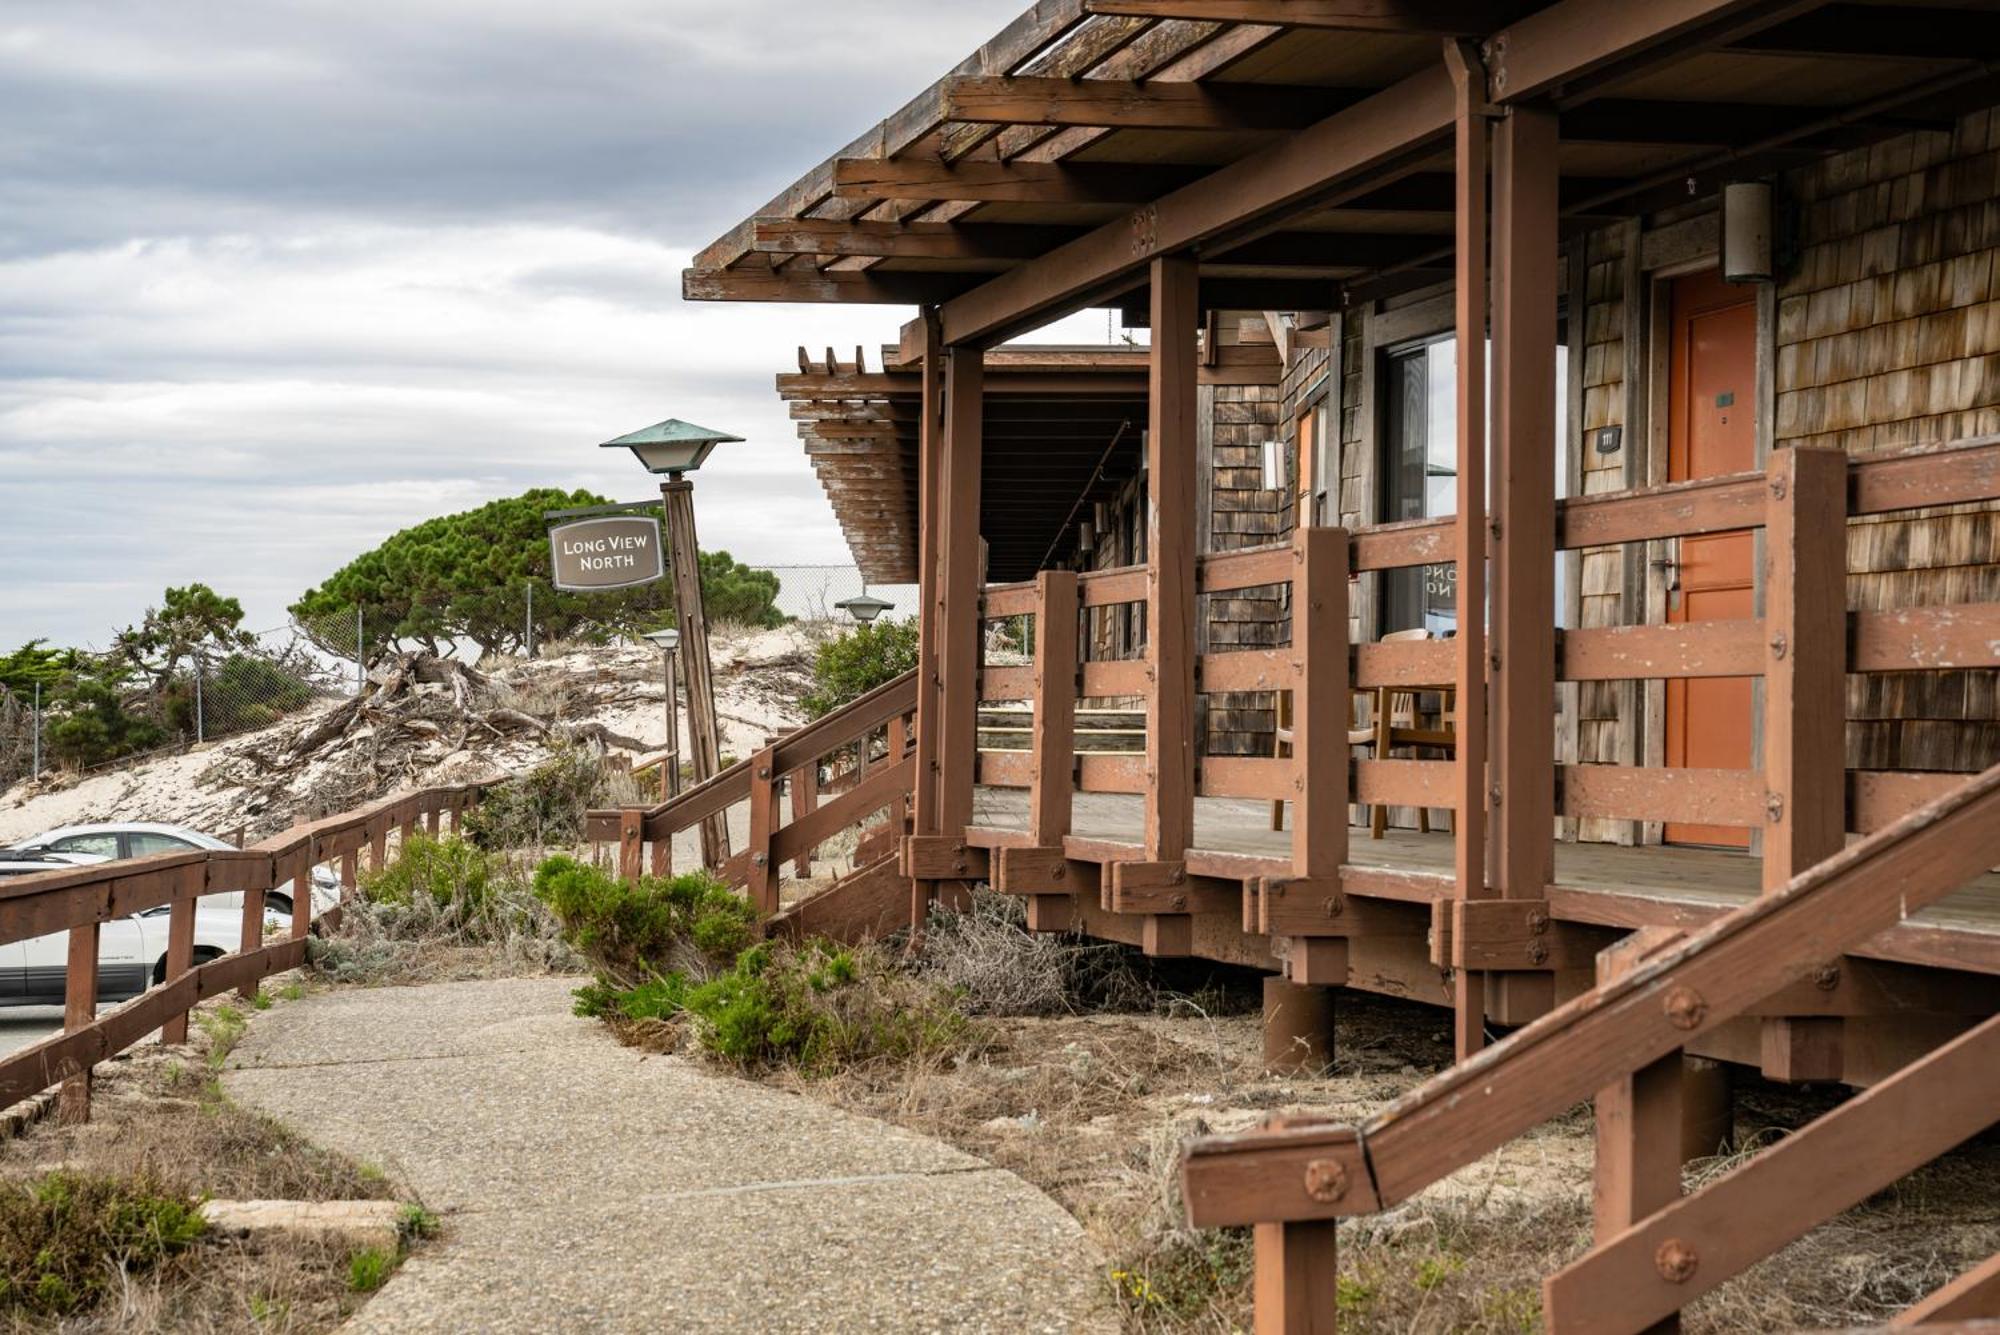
(1395, 719)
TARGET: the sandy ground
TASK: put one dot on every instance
(759, 678)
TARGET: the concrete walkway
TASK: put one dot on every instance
(586, 1186)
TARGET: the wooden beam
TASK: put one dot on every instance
(1452, 18)
(905, 240)
(1469, 527)
(1170, 563)
(1883, 31)
(930, 471)
(1381, 136)
(1524, 529)
(1042, 26)
(957, 608)
(814, 287)
(930, 180)
(1134, 104)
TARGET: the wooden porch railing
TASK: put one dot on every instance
(79, 900)
(1655, 1250)
(840, 770)
(1802, 799)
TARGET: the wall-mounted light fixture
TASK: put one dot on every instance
(1747, 218)
(1086, 538)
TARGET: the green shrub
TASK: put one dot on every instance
(444, 871)
(66, 1237)
(851, 665)
(542, 807)
(691, 924)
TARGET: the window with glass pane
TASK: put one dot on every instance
(1419, 475)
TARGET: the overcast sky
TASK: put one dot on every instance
(279, 277)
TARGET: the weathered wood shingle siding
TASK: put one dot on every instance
(1888, 334)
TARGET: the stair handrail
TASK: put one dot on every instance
(1301, 1172)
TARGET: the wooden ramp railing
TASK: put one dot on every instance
(80, 900)
(1655, 1250)
(840, 771)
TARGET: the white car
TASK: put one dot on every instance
(115, 842)
(131, 952)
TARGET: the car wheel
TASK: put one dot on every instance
(202, 955)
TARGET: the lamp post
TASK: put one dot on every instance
(865, 608)
(669, 640)
(673, 449)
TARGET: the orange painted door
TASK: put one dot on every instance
(1711, 428)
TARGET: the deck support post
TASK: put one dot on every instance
(1171, 755)
(954, 607)
(1805, 702)
(1523, 532)
(1469, 531)
(1298, 1026)
(930, 468)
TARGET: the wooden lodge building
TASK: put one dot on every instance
(1513, 682)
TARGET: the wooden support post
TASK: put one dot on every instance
(1805, 661)
(1298, 1026)
(431, 822)
(1294, 1278)
(704, 734)
(79, 1011)
(930, 617)
(804, 784)
(180, 945)
(1805, 707)
(1639, 1125)
(663, 857)
(409, 832)
(631, 843)
(1054, 740)
(1469, 532)
(762, 885)
(1522, 742)
(1170, 561)
(251, 935)
(957, 606)
(350, 876)
(378, 845)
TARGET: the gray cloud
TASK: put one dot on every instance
(279, 278)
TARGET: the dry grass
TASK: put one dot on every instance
(1093, 1109)
(158, 1114)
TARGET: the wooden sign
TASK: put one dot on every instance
(616, 552)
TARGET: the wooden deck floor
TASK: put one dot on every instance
(1606, 884)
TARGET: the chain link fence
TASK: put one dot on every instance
(98, 715)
